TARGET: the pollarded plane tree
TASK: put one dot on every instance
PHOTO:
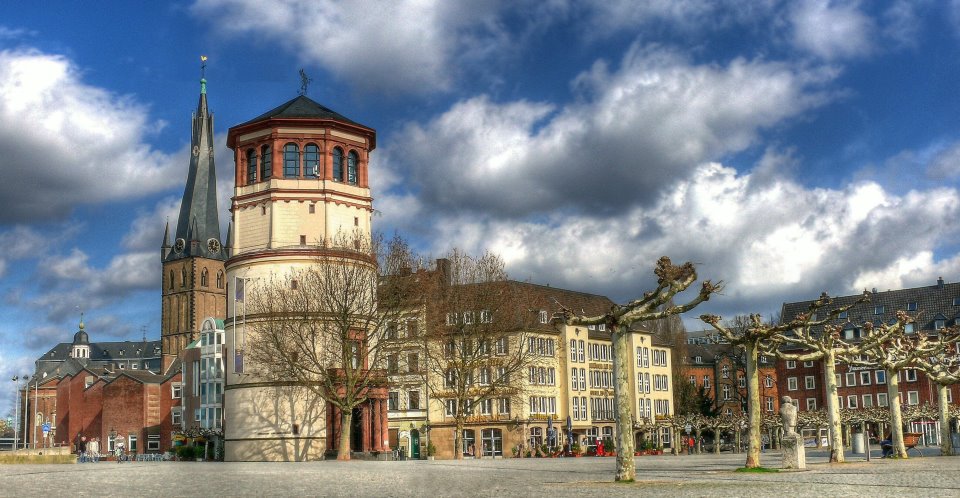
(821, 340)
(323, 327)
(654, 305)
(942, 366)
(756, 335)
(894, 352)
(478, 352)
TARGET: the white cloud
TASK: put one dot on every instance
(832, 29)
(389, 46)
(65, 143)
(632, 131)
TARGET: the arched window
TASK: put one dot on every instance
(291, 161)
(220, 279)
(338, 164)
(251, 166)
(171, 279)
(183, 277)
(352, 161)
(204, 277)
(311, 161)
(266, 162)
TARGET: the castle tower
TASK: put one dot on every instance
(194, 279)
(301, 188)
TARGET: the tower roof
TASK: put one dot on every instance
(198, 225)
(301, 107)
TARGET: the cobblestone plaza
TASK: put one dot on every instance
(698, 475)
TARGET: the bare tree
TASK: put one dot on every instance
(323, 327)
(477, 342)
(671, 280)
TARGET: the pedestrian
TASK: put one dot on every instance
(120, 450)
(600, 447)
(690, 445)
(83, 448)
(887, 446)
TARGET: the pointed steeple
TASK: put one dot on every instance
(228, 242)
(165, 246)
(199, 220)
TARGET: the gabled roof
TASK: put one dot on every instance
(300, 107)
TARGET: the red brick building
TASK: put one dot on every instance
(720, 369)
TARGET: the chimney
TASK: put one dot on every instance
(444, 267)
(939, 282)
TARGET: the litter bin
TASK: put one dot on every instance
(858, 446)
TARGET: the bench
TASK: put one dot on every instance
(910, 442)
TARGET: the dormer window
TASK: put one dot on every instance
(956, 301)
(878, 309)
(909, 328)
(698, 359)
(543, 316)
(939, 324)
(912, 306)
(842, 315)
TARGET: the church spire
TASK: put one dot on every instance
(199, 220)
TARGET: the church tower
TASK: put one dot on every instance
(302, 189)
(194, 279)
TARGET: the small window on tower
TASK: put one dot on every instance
(356, 221)
(303, 240)
(313, 208)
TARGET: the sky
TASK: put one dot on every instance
(785, 147)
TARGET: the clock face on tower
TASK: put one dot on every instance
(179, 245)
(213, 245)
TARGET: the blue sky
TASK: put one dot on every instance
(788, 148)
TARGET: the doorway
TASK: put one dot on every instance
(356, 430)
(414, 444)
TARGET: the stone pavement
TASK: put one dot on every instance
(697, 475)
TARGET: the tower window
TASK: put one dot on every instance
(311, 161)
(204, 277)
(183, 277)
(266, 162)
(171, 279)
(356, 221)
(313, 208)
(251, 166)
(303, 240)
(352, 161)
(291, 161)
(338, 164)
(220, 279)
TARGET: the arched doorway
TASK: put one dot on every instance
(415, 444)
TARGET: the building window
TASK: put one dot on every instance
(393, 401)
(910, 374)
(852, 401)
(808, 364)
(768, 381)
(881, 376)
(882, 399)
(153, 442)
(742, 381)
(352, 160)
(809, 382)
(939, 324)
(542, 315)
(219, 279)
(311, 161)
(251, 166)
(769, 401)
(811, 404)
(176, 390)
(183, 277)
(492, 440)
(913, 398)
(204, 277)
(706, 382)
(291, 161)
(450, 406)
(842, 315)
(912, 306)
(266, 162)
(868, 401)
(338, 164)
(503, 406)
(791, 364)
(486, 316)
(878, 309)
(413, 400)
(865, 378)
(698, 359)
(791, 383)
(726, 392)
(413, 362)
(725, 372)
(909, 328)
(851, 379)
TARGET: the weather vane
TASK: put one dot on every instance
(203, 66)
(304, 82)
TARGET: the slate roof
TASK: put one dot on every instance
(939, 299)
(301, 107)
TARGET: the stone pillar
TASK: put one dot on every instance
(375, 416)
(794, 455)
(367, 429)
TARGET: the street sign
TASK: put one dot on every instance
(46, 429)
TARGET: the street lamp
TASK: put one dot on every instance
(16, 410)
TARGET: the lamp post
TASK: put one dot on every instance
(16, 410)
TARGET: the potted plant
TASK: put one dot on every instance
(431, 451)
(575, 449)
(199, 452)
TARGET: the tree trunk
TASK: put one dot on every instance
(626, 466)
(896, 417)
(946, 444)
(346, 420)
(833, 407)
(753, 406)
(674, 447)
(458, 439)
(698, 449)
